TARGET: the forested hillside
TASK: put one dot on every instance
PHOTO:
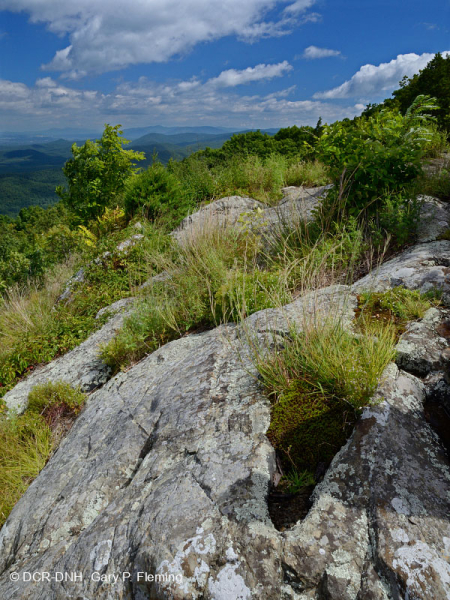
(29, 174)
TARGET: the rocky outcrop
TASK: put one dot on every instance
(162, 474)
(423, 267)
(82, 366)
(160, 489)
(220, 213)
(434, 219)
(298, 204)
(168, 476)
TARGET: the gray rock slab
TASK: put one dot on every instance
(379, 524)
(115, 307)
(423, 348)
(422, 267)
(434, 219)
(298, 204)
(82, 367)
(167, 470)
(220, 213)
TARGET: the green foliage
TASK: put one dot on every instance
(378, 155)
(19, 190)
(212, 278)
(156, 194)
(245, 293)
(436, 184)
(26, 441)
(307, 174)
(97, 173)
(434, 80)
(399, 304)
(297, 480)
(53, 395)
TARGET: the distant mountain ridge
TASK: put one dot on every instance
(30, 170)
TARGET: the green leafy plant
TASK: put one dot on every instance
(375, 157)
(97, 173)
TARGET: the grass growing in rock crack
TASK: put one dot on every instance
(397, 305)
(27, 440)
(318, 381)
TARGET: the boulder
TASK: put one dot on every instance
(434, 220)
(379, 524)
(166, 471)
(422, 267)
(297, 204)
(423, 348)
(220, 213)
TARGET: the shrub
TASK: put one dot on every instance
(96, 174)
(378, 155)
(155, 193)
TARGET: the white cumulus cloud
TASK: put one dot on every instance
(111, 34)
(50, 104)
(232, 77)
(379, 80)
(312, 52)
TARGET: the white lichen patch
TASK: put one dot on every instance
(400, 535)
(400, 506)
(101, 554)
(417, 561)
(228, 585)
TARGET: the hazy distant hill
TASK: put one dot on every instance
(29, 172)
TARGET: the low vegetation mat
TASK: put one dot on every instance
(27, 440)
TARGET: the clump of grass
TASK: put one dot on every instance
(307, 173)
(295, 481)
(214, 277)
(318, 382)
(27, 440)
(398, 305)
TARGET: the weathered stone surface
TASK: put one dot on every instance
(423, 347)
(81, 366)
(379, 525)
(120, 305)
(434, 219)
(297, 204)
(219, 213)
(422, 267)
(335, 302)
(166, 471)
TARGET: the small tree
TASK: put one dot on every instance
(97, 173)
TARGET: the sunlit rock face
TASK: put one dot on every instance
(160, 489)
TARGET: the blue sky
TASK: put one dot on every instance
(233, 63)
